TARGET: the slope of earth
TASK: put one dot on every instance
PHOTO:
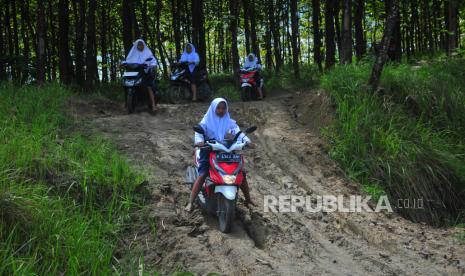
(291, 159)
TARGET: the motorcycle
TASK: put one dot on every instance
(250, 82)
(134, 92)
(219, 192)
(180, 85)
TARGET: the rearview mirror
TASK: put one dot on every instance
(251, 129)
(198, 129)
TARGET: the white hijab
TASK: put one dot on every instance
(190, 57)
(251, 64)
(136, 56)
(216, 127)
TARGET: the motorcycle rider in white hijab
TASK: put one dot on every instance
(192, 58)
(217, 125)
(140, 54)
(251, 61)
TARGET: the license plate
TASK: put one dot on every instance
(228, 157)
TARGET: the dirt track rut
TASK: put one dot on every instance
(291, 159)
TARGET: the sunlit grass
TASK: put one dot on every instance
(409, 153)
(63, 197)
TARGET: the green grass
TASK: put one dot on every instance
(286, 81)
(393, 148)
(64, 197)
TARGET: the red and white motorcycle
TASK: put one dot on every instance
(219, 192)
(250, 82)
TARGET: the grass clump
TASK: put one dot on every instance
(379, 143)
(63, 197)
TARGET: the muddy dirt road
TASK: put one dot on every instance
(291, 159)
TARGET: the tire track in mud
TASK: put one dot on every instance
(291, 160)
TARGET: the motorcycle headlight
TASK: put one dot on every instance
(245, 80)
(229, 179)
(129, 82)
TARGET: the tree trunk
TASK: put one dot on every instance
(428, 26)
(233, 9)
(360, 43)
(329, 34)
(416, 34)
(346, 51)
(104, 25)
(128, 37)
(397, 36)
(295, 36)
(246, 26)
(176, 20)
(9, 35)
(276, 36)
(198, 31)
(24, 7)
(41, 37)
(79, 15)
(451, 15)
(2, 50)
(382, 57)
(16, 39)
(145, 21)
(316, 34)
(51, 43)
(159, 38)
(63, 47)
(253, 29)
(91, 56)
(337, 24)
(437, 23)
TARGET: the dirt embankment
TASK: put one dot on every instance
(291, 159)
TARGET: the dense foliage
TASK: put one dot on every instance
(83, 41)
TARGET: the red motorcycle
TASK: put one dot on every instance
(249, 84)
(219, 192)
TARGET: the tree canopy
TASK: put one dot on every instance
(83, 41)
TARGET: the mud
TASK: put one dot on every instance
(291, 159)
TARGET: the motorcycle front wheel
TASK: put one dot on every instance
(204, 92)
(178, 94)
(245, 93)
(226, 213)
(130, 100)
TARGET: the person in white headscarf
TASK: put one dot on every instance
(141, 54)
(217, 124)
(192, 59)
(251, 62)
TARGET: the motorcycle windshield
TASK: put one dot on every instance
(130, 74)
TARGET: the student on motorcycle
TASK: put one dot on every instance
(139, 53)
(251, 62)
(217, 125)
(192, 58)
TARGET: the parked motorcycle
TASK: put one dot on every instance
(134, 91)
(219, 192)
(180, 85)
(250, 81)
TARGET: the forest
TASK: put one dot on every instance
(364, 98)
(84, 41)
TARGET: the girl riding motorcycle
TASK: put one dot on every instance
(251, 62)
(192, 58)
(217, 125)
(140, 53)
